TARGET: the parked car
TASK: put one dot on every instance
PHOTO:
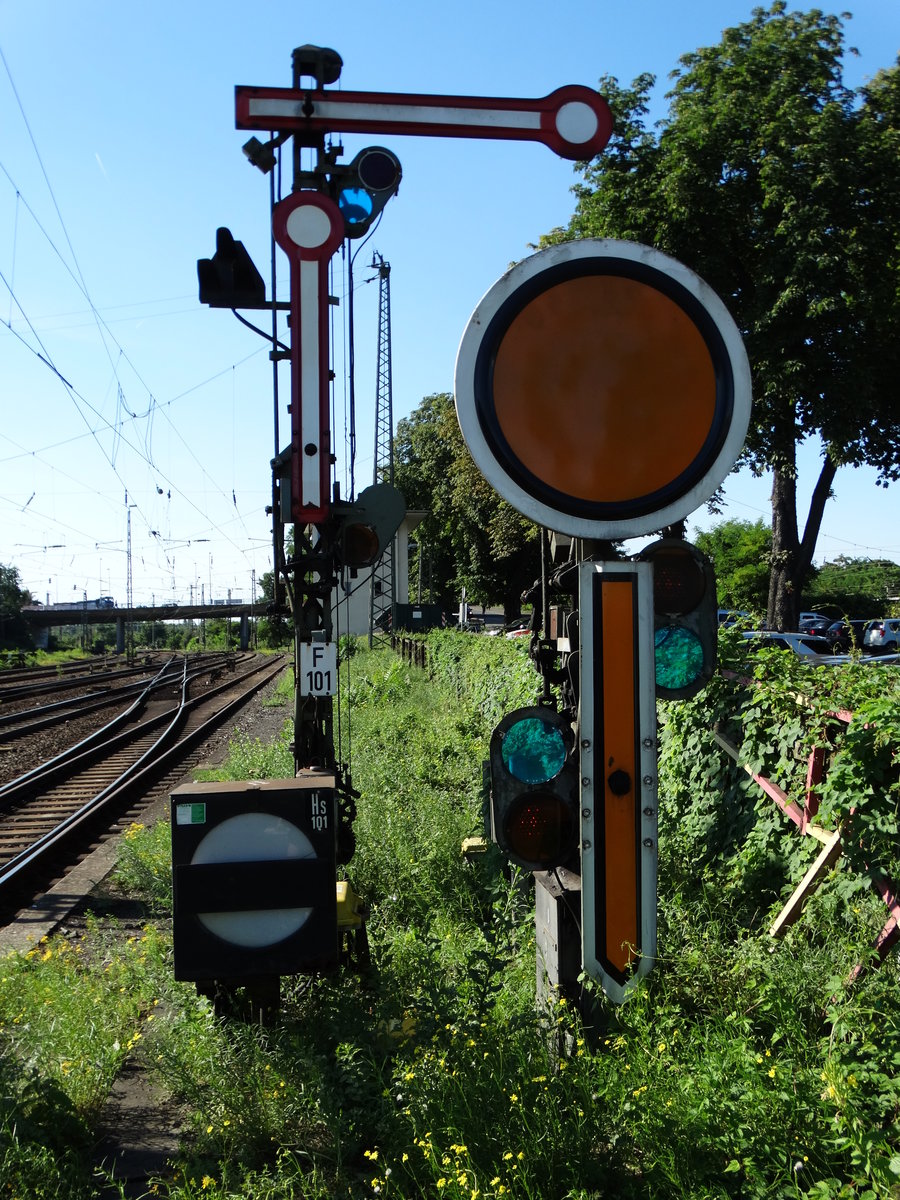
(813, 623)
(805, 645)
(883, 636)
(518, 629)
(846, 635)
(733, 616)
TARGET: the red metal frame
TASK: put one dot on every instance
(801, 817)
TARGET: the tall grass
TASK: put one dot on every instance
(739, 1068)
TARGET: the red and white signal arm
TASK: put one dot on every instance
(309, 228)
(603, 389)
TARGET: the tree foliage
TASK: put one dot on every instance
(13, 630)
(469, 538)
(781, 188)
(855, 587)
(740, 554)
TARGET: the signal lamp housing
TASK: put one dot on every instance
(534, 788)
(368, 524)
(230, 279)
(685, 617)
(364, 186)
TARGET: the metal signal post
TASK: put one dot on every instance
(329, 203)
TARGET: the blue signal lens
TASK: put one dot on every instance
(678, 654)
(356, 205)
(533, 750)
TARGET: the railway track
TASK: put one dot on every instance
(79, 666)
(58, 811)
(107, 690)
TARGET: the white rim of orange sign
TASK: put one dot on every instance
(603, 389)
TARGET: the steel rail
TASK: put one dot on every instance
(156, 760)
(100, 739)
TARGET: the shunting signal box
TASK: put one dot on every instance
(253, 869)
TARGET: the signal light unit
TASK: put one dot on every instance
(534, 788)
(685, 610)
(367, 524)
(363, 187)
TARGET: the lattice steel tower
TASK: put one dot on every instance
(384, 576)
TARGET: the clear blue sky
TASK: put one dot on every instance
(118, 160)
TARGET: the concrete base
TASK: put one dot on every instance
(557, 920)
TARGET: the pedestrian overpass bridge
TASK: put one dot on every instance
(46, 617)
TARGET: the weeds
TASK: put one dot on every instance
(738, 1068)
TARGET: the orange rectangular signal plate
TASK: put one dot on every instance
(618, 774)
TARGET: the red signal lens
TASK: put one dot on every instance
(678, 580)
(540, 829)
(361, 545)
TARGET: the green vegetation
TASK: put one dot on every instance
(740, 553)
(469, 538)
(855, 587)
(41, 658)
(780, 187)
(741, 1067)
(13, 631)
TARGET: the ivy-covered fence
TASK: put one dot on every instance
(775, 747)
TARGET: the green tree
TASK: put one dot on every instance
(13, 629)
(781, 188)
(740, 553)
(469, 538)
(855, 587)
(272, 630)
(424, 448)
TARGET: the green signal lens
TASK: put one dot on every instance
(533, 750)
(679, 657)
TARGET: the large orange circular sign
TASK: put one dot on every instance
(603, 389)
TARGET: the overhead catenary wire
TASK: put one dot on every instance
(46, 358)
(78, 277)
